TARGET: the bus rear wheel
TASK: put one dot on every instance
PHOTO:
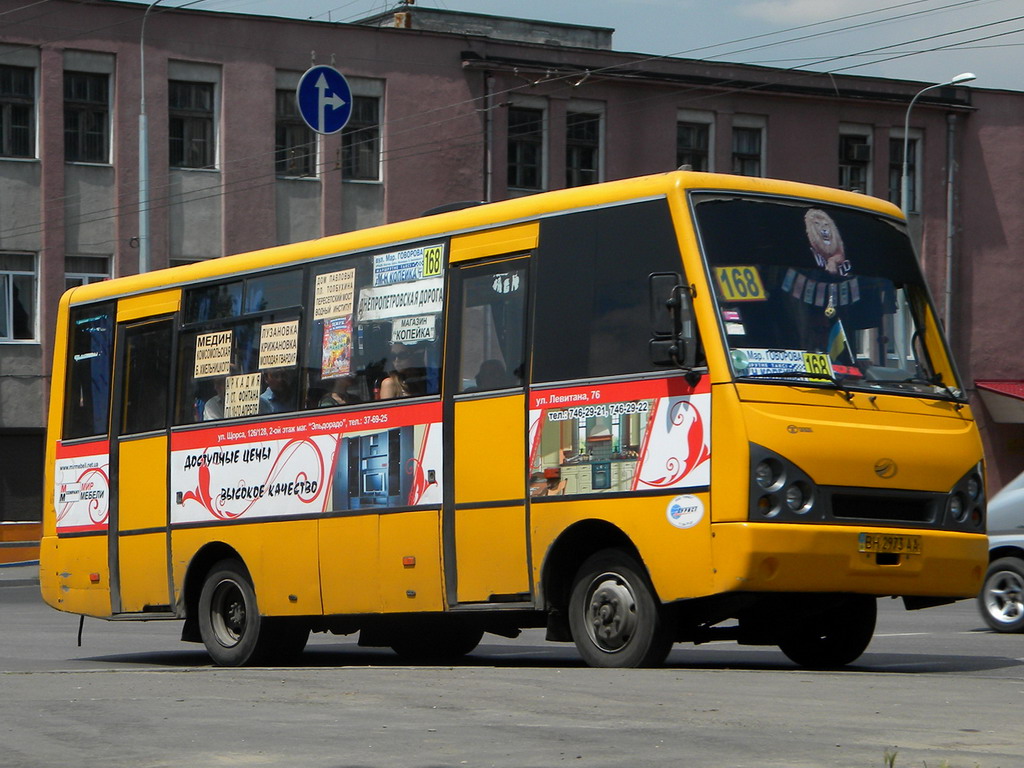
(833, 636)
(614, 616)
(230, 624)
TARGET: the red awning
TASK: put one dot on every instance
(1004, 399)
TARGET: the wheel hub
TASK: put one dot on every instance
(612, 618)
(1005, 598)
(227, 613)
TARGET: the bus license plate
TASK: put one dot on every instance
(885, 542)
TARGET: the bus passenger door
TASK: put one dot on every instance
(485, 514)
(139, 532)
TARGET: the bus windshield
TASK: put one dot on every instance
(821, 294)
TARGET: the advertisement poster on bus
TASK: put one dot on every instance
(82, 487)
(372, 459)
(620, 438)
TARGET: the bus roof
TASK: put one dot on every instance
(503, 213)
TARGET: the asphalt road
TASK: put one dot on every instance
(934, 686)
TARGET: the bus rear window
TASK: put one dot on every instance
(90, 347)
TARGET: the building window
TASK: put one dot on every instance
(17, 296)
(190, 112)
(360, 141)
(582, 148)
(86, 115)
(17, 108)
(896, 173)
(525, 148)
(294, 142)
(82, 270)
(692, 146)
(746, 151)
(854, 163)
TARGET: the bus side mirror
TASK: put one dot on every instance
(673, 335)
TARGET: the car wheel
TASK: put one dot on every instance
(1002, 597)
(615, 618)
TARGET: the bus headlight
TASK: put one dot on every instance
(956, 508)
(973, 487)
(779, 490)
(799, 498)
(965, 504)
(768, 474)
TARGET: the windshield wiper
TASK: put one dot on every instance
(935, 381)
(801, 375)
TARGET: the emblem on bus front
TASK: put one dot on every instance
(885, 468)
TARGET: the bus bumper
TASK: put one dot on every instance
(764, 557)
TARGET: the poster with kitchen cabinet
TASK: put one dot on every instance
(619, 438)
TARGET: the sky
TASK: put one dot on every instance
(929, 41)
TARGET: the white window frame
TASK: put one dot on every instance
(87, 277)
(7, 303)
(589, 107)
(752, 122)
(700, 117)
(208, 74)
(364, 87)
(23, 56)
(865, 132)
(916, 136)
(539, 103)
(289, 81)
(97, 64)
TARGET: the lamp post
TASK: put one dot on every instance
(964, 77)
(143, 150)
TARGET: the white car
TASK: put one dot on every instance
(1002, 596)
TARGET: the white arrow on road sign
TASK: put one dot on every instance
(324, 99)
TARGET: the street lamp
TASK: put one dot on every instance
(143, 150)
(964, 77)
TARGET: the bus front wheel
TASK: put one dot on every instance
(230, 624)
(834, 635)
(615, 618)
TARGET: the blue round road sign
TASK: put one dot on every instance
(324, 98)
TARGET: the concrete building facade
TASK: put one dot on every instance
(448, 107)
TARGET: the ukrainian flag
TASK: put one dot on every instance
(837, 342)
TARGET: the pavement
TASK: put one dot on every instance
(19, 574)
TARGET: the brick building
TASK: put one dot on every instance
(448, 106)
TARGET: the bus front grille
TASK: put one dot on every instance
(911, 508)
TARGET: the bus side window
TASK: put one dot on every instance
(365, 339)
(90, 350)
(238, 354)
(592, 315)
(146, 377)
(492, 340)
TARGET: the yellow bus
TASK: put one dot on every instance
(668, 409)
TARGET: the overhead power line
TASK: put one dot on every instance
(390, 127)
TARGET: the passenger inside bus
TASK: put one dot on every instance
(214, 407)
(341, 391)
(407, 374)
(279, 396)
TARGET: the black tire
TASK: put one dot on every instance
(614, 616)
(1001, 599)
(231, 627)
(833, 636)
(436, 641)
